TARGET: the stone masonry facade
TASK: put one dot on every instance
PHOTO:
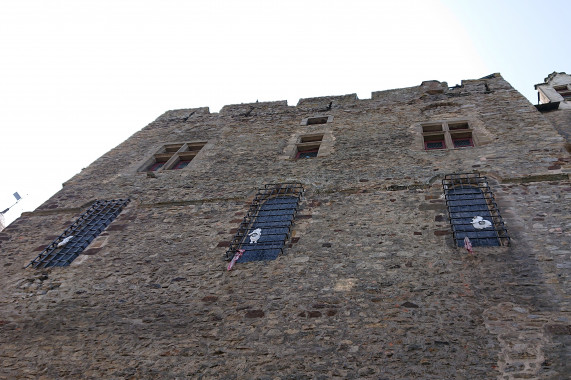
(370, 284)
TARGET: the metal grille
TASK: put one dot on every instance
(473, 211)
(82, 232)
(434, 145)
(459, 143)
(272, 211)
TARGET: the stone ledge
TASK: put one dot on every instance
(537, 178)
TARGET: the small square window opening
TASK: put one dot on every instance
(308, 146)
(432, 128)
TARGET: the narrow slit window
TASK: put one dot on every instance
(472, 211)
(66, 247)
(265, 229)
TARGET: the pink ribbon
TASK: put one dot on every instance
(468, 245)
(237, 256)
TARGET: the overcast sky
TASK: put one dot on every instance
(79, 77)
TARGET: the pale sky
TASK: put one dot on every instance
(79, 77)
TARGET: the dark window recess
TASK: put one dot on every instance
(473, 211)
(156, 166)
(462, 142)
(181, 164)
(308, 146)
(317, 120)
(272, 211)
(307, 153)
(428, 145)
(82, 232)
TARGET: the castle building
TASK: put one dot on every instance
(422, 233)
(554, 101)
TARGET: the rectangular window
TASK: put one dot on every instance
(443, 135)
(308, 146)
(266, 227)
(317, 120)
(173, 157)
(473, 211)
(66, 247)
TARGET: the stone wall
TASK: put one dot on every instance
(370, 286)
(561, 120)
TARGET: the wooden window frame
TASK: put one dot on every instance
(308, 144)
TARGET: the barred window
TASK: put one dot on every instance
(265, 229)
(66, 247)
(473, 211)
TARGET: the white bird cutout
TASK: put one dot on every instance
(480, 223)
(255, 235)
(65, 241)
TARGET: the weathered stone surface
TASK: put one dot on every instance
(371, 286)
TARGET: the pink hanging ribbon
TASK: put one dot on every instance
(237, 256)
(468, 245)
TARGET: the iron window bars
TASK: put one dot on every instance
(473, 211)
(272, 211)
(79, 235)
